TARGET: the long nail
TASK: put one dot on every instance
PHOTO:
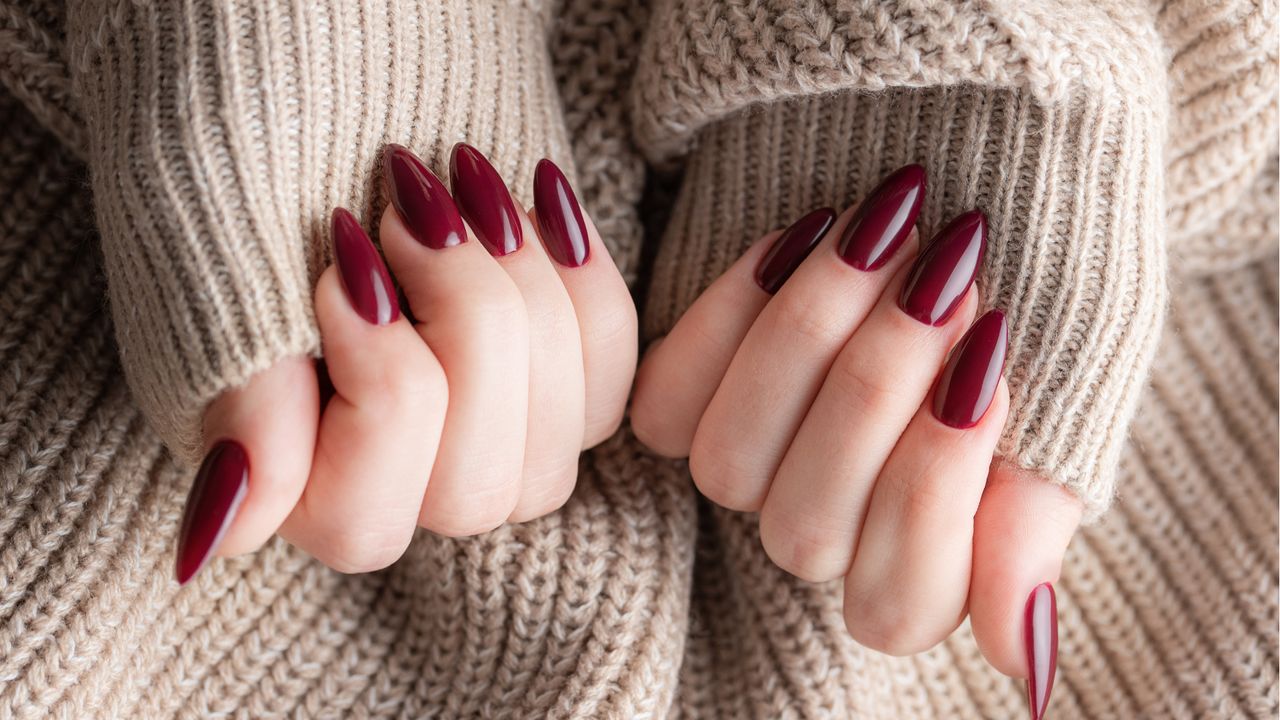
(944, 271)
(216, 494)
(968, 382)
(364, 275)
(791, 248)
(884, 219)
(422, 200)
(485, 201)
(563, 230)
(1041, 630)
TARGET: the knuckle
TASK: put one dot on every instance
(476, 513)
(809, 323)
(725, 478)
(603, 424)
(923, 500)
(608, 328)
(864, 388)
(354, 552)
(887, 625)
(803, 549)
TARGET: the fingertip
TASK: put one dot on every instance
(1021, 533)
(273, 420)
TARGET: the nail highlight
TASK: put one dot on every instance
(564, 232)
(791, 248)
(422, 200)
(969, 381)
(216, 494)
(884, 219)
(364, 276)
(943, 273)
(1041, 635)
(485, 201)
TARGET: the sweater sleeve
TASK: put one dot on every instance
(1053, 125)
(221, 133)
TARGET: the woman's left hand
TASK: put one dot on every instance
(847, 404)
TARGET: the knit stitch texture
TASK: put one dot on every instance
(167, 169)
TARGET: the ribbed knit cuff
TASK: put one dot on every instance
(1075, 256)
(223, 132)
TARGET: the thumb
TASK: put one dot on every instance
(258, 441)
(1021, 532)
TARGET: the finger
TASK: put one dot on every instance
(680, 375)
(556, 404)
(782, 361)
(379, 432)
(471, 314)
(259, 439)
(909, 582)
(876, 385)
(1021, 532)
(605, 312)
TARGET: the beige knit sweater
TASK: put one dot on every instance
(177, 159)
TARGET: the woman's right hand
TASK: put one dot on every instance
(520, 355)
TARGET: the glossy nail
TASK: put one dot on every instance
(791, 248)
(943, 273)
(968, 383)
(422, 200)
(219, 487)
(485, 201)
(884, 219)
(564, 232)
(364, 276)
(1041, 635)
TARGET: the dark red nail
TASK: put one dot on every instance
(944, 271)
(422, 200)
(485, 201)
(884, 219)
(364, 275)
(972, 373)
(791, 248)
(559, 217)
(1041, 630)
(215, 496)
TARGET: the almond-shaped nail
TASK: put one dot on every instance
(423, 202)
(564, 232)
(485, 201)
(883, 220)
(216, 494)
(943, 273)
(1041, 636)
(364, 276)
(969, 381)
(791, 248)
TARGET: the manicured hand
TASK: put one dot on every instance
(520, 354)
(841, 383)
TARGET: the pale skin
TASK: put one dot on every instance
(810, 407)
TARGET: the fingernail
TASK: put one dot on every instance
(559, 216)
(215, 496)
(364, 275)
(943, 273)
(485, 201)
(972, 373)
(422, 200)
(1041, 630)
(884, 219)
(791, 248)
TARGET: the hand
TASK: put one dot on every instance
(521, 354)
(847, 405)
